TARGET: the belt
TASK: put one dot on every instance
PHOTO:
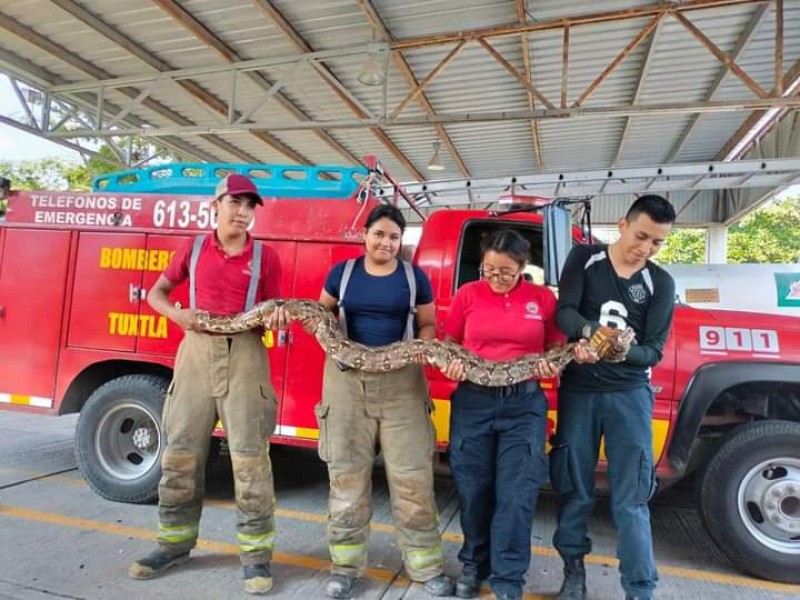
(523, 387)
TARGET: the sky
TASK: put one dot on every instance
(18, 145)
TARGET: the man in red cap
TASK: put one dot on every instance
(219, 376)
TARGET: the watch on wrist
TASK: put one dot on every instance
(586, 331)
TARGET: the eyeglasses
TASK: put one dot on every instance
(503, 276)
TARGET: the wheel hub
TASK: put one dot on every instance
(782, 505)
(142, 438)
(769, 503)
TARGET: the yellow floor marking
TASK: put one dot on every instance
(599, 559)
(680, 572)
(295, 560)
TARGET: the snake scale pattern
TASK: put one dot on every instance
(610, 345)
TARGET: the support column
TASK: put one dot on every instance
(717, 245)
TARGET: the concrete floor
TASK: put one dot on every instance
(59, 540)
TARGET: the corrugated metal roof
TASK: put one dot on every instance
(680, 70)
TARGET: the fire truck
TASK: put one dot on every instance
(77, 335)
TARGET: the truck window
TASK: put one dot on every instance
(469, 254)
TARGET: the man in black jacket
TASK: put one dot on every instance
(613, 286)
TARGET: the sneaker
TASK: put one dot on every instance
(468, 584)
(439, 586)
(339, 586)
(155, 563)
(257, 579)
(574, 585)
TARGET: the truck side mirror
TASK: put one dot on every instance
(557, 240)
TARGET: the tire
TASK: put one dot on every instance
(119, 439)
(749, 499)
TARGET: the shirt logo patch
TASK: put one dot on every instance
(637, 293)
(532, 310)
(248, 270)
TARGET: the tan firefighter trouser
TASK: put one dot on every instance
(358, 411)
(225, 377)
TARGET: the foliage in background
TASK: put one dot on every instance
(685, 247)
(768, 235)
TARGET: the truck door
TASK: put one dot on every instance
(305, 360)
(108, 278)
(159, 335)
(33, 276)
(277, 342)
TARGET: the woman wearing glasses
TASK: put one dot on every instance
(497, 434)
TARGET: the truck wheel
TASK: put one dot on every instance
(118, 440)
(750, 499)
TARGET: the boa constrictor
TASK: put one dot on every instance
(610, 345)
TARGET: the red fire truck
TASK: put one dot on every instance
(76, 335)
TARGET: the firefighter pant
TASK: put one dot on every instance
(623, 418)
(498, 461)
(225, 377)
(360, 411)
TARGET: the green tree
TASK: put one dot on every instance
(684, 246)
(768, 235)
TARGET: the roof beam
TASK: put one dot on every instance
(58, 51)
(791, 77)
(517, 75)
(649, 10)
(721, 56)
(333, 82)
(187, 20)
(779, 47)
(522, 17)
(69, 145)
(643, 72)
(758, 18)
(626, 51)
(405, 69)
(435, 72)
(32, 74)
(205, 97)
(508, 116)
(564, 66)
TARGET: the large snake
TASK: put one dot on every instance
(610, 345)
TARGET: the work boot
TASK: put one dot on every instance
(574, 585)
(257, 579)
(439, 586)
(468, 584)
(155, 563)
(339, 586)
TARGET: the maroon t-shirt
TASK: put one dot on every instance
(221, 280)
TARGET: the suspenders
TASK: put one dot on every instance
(255, 273)
(408, 268)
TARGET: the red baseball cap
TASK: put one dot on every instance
(238, 185)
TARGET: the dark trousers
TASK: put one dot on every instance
(498, 462)
(624, 418)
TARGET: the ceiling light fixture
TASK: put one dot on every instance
(436, 163)
(373, 70)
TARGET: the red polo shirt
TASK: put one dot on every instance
(222, 280)
(503, 326)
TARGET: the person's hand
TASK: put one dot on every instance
(455, 370)
(186, 319)
(545, 369)
(583, 353)
(278, 320)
